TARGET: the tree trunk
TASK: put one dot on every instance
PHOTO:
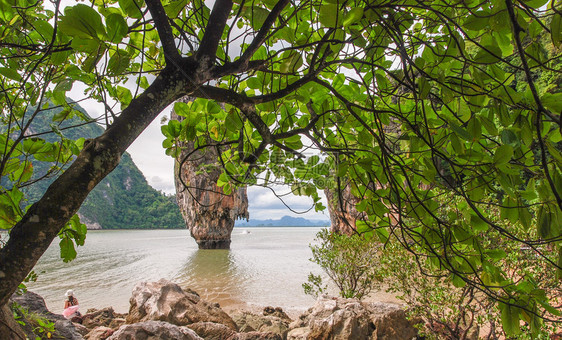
(33, 234)
(209, 214)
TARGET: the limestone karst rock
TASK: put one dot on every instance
(208, 213)
(341, 206)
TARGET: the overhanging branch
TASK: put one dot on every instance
(213, 31)
(164, 29)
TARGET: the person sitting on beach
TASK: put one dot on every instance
(71, 307)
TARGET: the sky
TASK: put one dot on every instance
(158, 169)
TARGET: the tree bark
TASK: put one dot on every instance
(33, 234)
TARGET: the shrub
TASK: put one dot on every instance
(39, 325)
(349, 261)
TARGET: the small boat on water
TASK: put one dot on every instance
(245, 232)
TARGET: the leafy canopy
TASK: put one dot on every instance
(402, 99)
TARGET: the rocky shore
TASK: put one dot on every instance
(163, 310)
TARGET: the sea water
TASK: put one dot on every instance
(264, 267)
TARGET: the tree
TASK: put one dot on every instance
(404, 99)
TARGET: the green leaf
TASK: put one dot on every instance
(510, 138)
(254, 83)
(10, 73)
(124, 95)
(458, 281)
(496, 254)
(32, 145)
(118, 62)
(478, 224)
(353, 16)
(6, 10)
(256, 15)
(174, 128)
(64, 85)
(503, 154)
(552, 102)
(544, 222)
(67, 251)
(174, 8)
(293, 142)
(116, 27)
(510, 319)
(460, 131)
(82, 21)
(90, 46)
(478, 21)
(233, 121)
(488, 54)
(425, 87)
(536, 3)
(132, 8)
(329, 15)
(213, 107)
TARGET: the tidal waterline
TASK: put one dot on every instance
(264, 267)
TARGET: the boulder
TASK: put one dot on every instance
(337, 318)
(249, 322)
(103, 317)
(258, 336)
(100, 333)
(81, 329)
(166, 301)
(32, 302)
(152, 330)
(300, 333)
(35, 303)
(390, 321)
(276, 311)
(212, 331)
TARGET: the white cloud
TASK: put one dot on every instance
(263, 204)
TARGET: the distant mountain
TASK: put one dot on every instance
(285, 221)
(122, 200)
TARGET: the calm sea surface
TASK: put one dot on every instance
(265, 267)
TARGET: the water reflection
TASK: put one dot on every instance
(215, 275)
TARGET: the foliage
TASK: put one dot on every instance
(349, 262)
(403, 99)
(40, 326)
(31, 277)
(450, 310)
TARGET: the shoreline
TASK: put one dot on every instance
(163, 308)
(235, 227)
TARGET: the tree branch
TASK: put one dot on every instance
(164, 29)
(213, 31)
(262, 34)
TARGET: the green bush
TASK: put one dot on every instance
(41, 326)
(349, 261)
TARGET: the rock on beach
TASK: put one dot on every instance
(163, 310)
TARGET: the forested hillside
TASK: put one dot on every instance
(123, 199)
